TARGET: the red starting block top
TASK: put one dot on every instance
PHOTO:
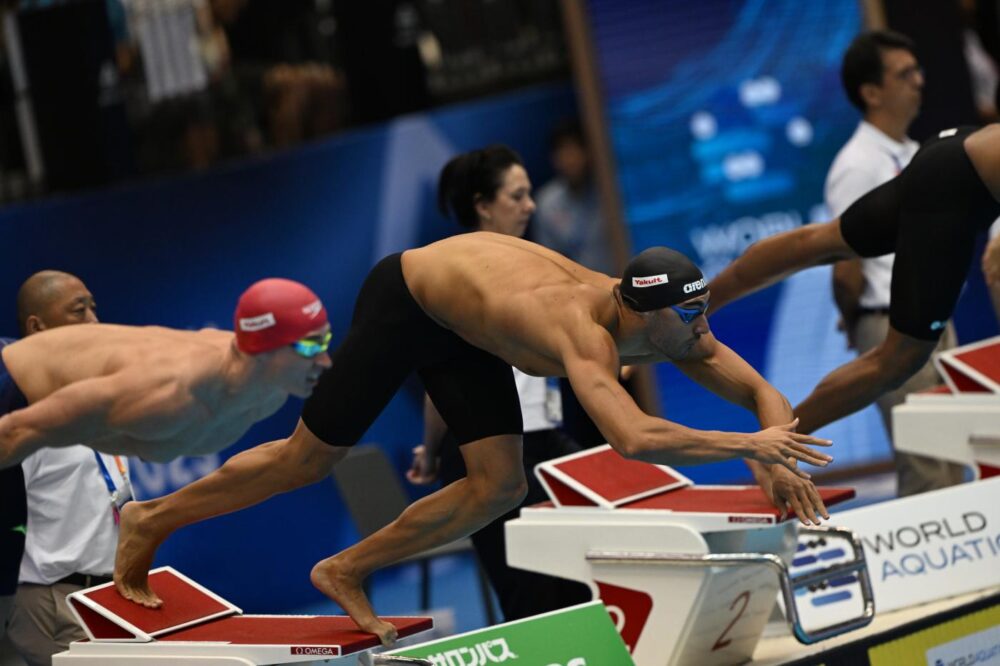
(291, 630)
(191, 614)
(734, 500)
(972, 368)
(962, 382)
(106, 615)
(984, 358)
(600, 477)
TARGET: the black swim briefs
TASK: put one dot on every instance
(390, 337)
(929, 216)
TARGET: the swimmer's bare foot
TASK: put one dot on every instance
(134, 557)
(334, 580)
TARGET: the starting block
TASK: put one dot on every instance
(962, 423)
(196, 627)
(689, 574)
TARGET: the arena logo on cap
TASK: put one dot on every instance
(694, 286)
(258, 323)
(650, 280)
(312, 309)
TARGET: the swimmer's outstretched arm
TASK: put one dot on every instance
(591, 362)
(775, 258)
(246, 479)
(721, 370)
(89, 411)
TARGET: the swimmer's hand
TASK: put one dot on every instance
(781, 445)
(787, 490)
(425, 467)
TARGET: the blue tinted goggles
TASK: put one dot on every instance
(688, 313)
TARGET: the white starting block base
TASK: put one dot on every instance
(689, 574)
(196, 627)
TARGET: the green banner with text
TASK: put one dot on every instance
(577, 636)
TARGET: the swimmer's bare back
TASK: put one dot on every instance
(153, 392)
(510, 297)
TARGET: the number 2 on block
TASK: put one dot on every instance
(722, 641)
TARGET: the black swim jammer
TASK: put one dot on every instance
(929, 215)
(390, 337)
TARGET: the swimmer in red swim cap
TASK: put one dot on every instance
(159, 393)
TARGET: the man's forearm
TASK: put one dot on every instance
(666, 443)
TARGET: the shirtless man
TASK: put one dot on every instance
(929, 216)
(158, 393)
(444, 310)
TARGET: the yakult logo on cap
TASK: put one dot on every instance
(650, 280)
(312, 309)
(259, 323)
(694, 286)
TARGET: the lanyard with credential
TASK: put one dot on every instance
(119, 496)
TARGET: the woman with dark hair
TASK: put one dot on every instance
(489, 190)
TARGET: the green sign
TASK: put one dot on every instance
(577, 636)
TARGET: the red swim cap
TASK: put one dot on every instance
(276, 312)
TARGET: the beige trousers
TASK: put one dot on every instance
(6, 606)
(42, 624)
(915, 474)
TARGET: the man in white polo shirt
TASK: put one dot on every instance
(883, 79)
(73, 496)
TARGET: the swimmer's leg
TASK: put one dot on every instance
(494, 485)
(773, 259)
(857, 384)
(244, 480)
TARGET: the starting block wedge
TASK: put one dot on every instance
(961, 424)
(196, 627)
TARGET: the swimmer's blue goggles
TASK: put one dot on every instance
(314, 346)
(688, 313)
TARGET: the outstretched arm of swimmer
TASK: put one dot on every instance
(89, 410)
(245, 479)
(722, 371)
(591, 362)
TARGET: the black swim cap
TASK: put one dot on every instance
(659, 277)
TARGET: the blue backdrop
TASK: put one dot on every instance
(725, 116)
(179, 253)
